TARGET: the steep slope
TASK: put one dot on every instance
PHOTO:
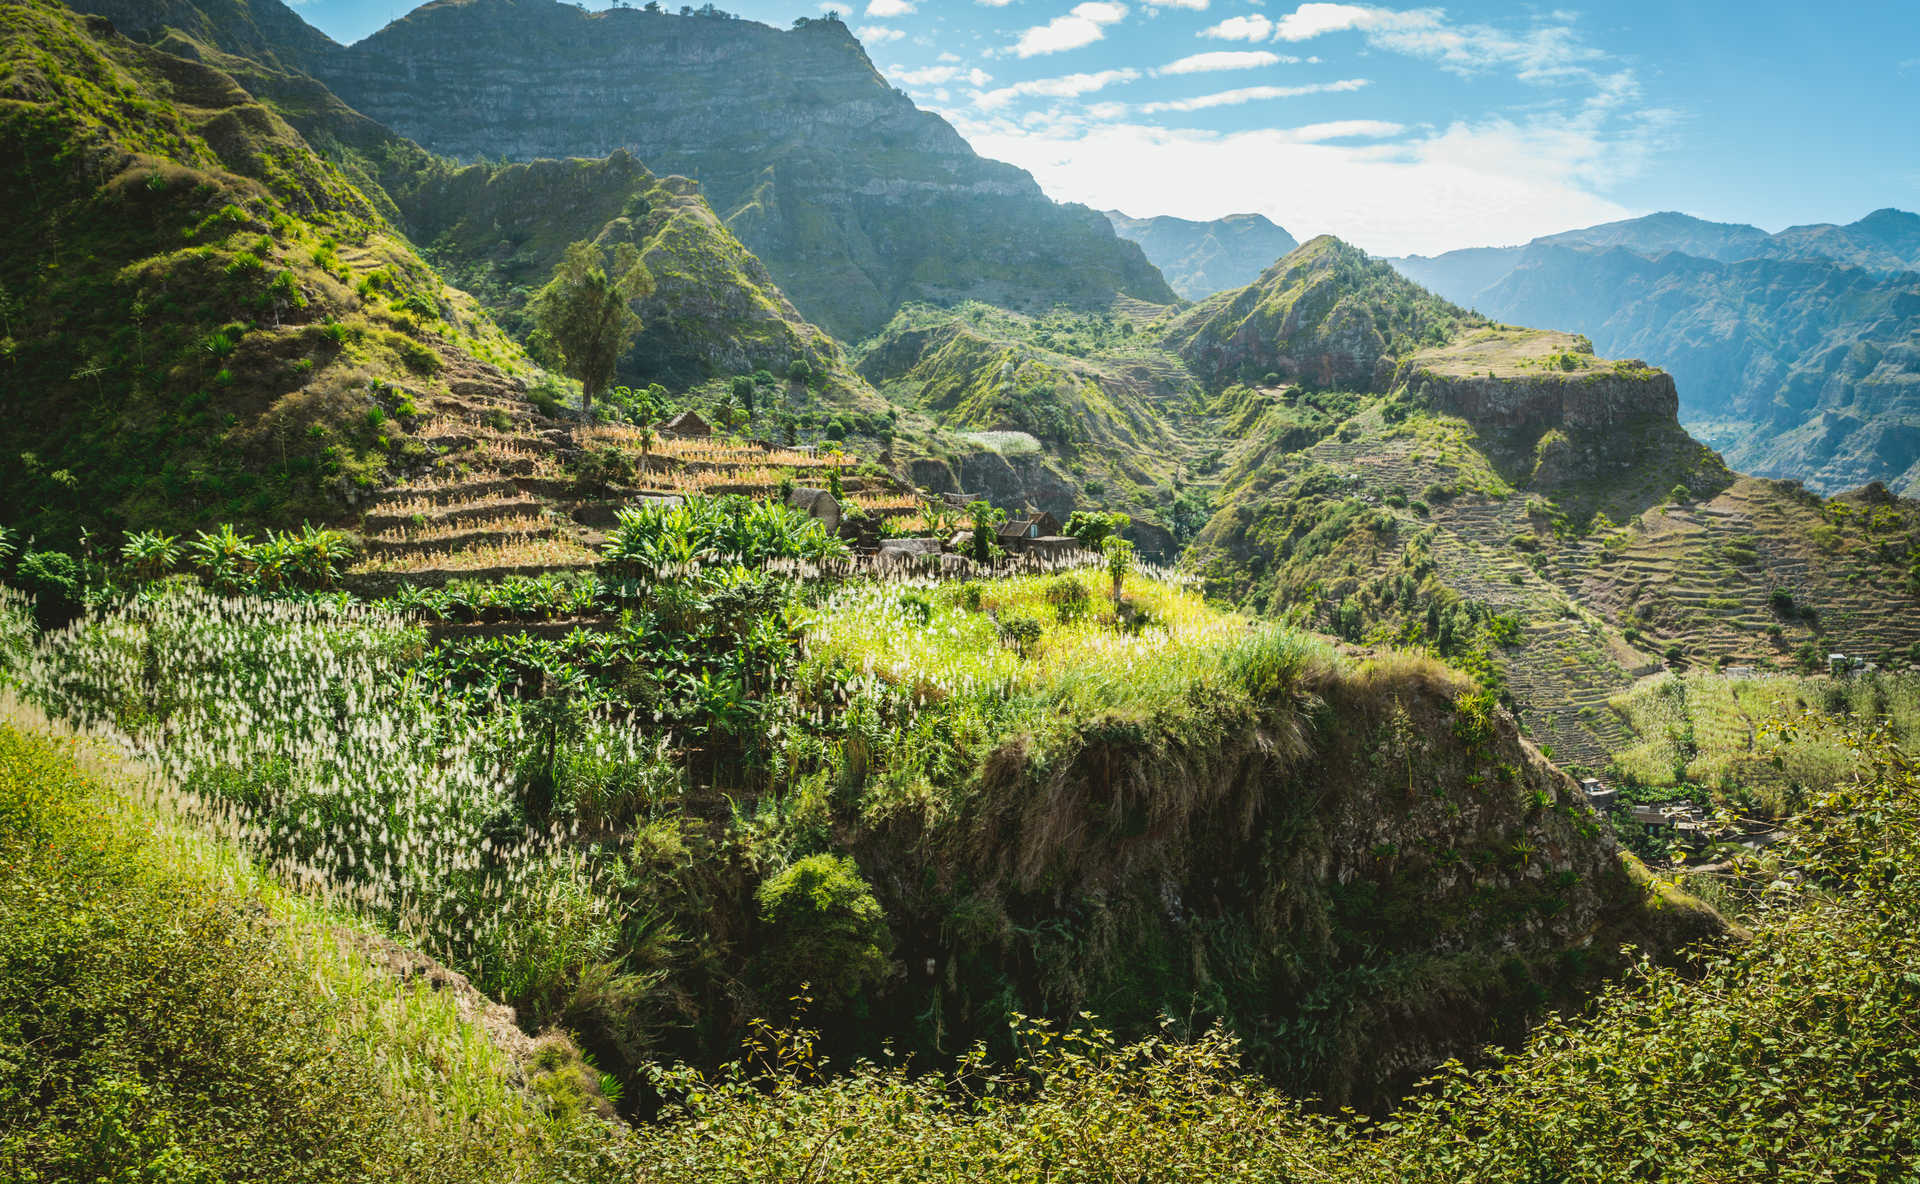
(1201, 258)
(498, 230)
(856, 200)
(204, 320)
(1539, 516)
(1795, 352)
(1101, 416)
(1325, 315)
(1886, 241)
(1806, 369)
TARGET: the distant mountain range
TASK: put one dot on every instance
(1797, 354)
(1201, 258)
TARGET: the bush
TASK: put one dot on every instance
(1069, 598)
(1021, 630)
(822, 929)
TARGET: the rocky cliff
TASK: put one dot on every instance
(1545, 406)
(856, 200)
(1794, 352)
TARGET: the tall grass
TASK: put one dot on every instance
(192, 1021)
(299, 732)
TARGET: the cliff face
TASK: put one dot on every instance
(856, 200)
(1794, 352)
(1550, 426)
(1363, 891)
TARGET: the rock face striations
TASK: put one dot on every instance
(856, 200)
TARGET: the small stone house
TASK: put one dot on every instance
(687, 423)
(1034, 524)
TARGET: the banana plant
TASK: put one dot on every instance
(151, 554)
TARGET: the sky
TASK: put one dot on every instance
(1406, 129)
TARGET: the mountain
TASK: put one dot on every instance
(1201, 258)
(856, 200)
(1798, 354)
(1803, 369)
(1325, 315)
(1885, 240)
(205, 319)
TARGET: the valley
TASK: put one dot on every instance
(668, 619)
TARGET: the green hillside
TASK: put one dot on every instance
(205, 319)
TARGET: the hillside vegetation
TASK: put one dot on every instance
(1785, 1059)
(204, 319)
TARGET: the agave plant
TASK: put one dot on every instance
(151, 554)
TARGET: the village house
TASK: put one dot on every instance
(687, 423)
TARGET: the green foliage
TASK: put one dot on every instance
(1093, 527)
(165, 1025)
(985, 518)
(824, 932)
(1117, 555)
(659, 542)
(586, 311)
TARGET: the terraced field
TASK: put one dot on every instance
(507, 491)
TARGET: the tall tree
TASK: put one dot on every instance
(585, 313)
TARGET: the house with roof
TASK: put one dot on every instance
(687, 423)
(1034, 524)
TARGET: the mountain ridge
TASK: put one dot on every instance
(856, 200)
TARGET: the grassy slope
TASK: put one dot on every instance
(167, 1014)
(1114, 413)
(206, 310)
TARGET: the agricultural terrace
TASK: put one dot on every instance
(1761, 744)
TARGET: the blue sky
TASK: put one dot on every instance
(1408, 129)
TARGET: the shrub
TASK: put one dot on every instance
(822, 929)
(1069, 598)
(1021, 630)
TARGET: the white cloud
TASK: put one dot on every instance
(1225, 59)
(1067, 86)
(993, 3)
(877, 34)
(1195, 5)
(889, 8)
(1250, 94)
(1241, 28)
(1085, 25)
(939, 76)
(1493, 182)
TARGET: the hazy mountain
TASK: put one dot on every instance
(1201, 258)
(1795, 353)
